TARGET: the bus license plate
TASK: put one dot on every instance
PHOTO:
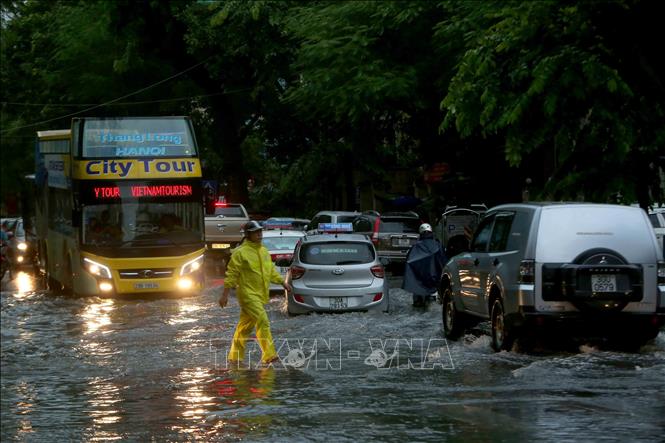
(221, 245)
(338, 303)
(146, 285)
(603, 283)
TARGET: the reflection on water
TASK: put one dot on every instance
(78, 369)
(97, 315)
(25, 403)
(104, 403)
(186, 312)
(25, 284)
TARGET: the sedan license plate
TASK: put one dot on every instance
(603, 283)
(146, 285)
(221, 245)
(337, 303)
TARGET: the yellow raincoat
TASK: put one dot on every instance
(250, 271)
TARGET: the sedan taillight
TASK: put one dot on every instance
(297, 272)
(377, 271)
(375, 232)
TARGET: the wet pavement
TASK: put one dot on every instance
(101, 369)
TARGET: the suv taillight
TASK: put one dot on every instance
(377, 271)
(527, 271)
(661, 272)
(297, 272)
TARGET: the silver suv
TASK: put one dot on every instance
(589, 268)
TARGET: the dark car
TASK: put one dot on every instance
(392, 233)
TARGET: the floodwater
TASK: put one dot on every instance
(101, 369)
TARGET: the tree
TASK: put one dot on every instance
(575, 83)
(365, 75)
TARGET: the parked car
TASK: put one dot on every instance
(456, 227)
(223, 232)
(336, 272)
(657, 217)
(392, 233)
(330, 217)
(298, 224)
(590, 269)
(281, 244)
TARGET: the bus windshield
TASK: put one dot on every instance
(137, 137)
(142, 224)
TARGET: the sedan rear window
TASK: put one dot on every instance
(336, 253)
(273, 243)
(400, 225)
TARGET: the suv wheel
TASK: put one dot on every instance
(453, 323)
(502, 337)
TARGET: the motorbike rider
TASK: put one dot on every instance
(424, 264)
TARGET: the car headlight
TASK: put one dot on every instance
(192, 266)
(97, 269)
(22, 246)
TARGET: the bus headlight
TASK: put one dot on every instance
(192, 266)
(22, 246)
(185, 284)
(97, 269)
(105, 286)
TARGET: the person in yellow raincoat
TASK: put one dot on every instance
(250, 271)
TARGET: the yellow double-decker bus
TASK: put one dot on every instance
(119, 206)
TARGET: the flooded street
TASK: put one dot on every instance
(103, 369)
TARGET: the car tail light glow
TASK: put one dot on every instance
(378, 296)
(220, 205)
(276, 257)
(527, 271)
(377, 271)
(297, 272)
(375, 232)
(298, 298)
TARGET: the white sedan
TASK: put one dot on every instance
(280, 244)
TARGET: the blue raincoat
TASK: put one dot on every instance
(424, 264)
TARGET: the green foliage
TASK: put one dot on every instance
(545, 77)
(312, 98)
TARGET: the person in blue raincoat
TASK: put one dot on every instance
(424, 264)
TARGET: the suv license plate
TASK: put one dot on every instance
(221, 245)
(401, 242)
(338, 303)
(147, 285)
(603, 283)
